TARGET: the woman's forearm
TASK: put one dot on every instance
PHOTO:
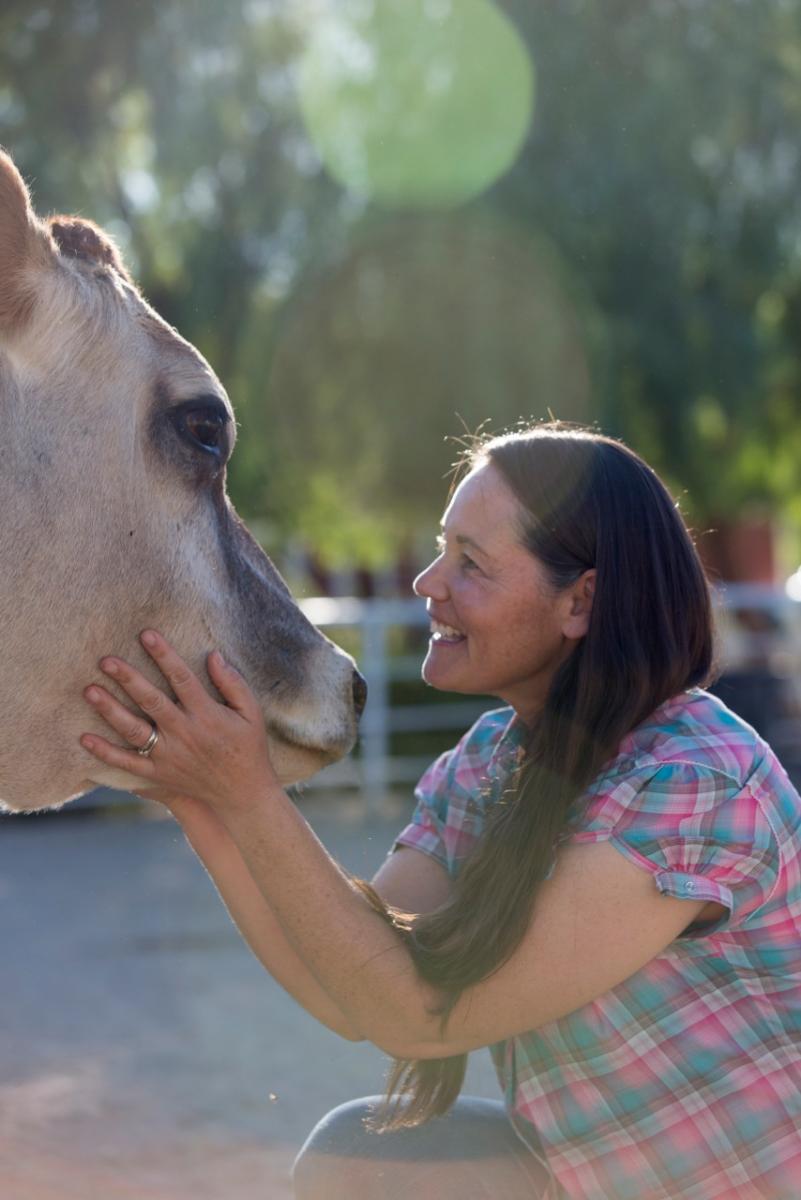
(359, 960)
(219, 755)
(257, 922)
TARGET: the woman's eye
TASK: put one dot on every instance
(206, 427)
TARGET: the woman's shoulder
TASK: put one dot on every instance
(694, 759)
(697, 792)
(694, 730)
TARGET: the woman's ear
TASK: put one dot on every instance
(580, 595)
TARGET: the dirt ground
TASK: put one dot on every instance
(144, 1053)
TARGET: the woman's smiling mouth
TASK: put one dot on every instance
(445, 634)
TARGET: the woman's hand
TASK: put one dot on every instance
(210, 751)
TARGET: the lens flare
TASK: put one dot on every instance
(423, 103)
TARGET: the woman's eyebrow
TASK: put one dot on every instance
(462, 539)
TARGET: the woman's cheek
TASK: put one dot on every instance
(462, 595)
(476, 599)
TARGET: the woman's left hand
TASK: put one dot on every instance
(211, 751)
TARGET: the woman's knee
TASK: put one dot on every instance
(334, 1162)
(472, 1152)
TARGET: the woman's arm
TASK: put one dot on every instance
(597, 920)
(408, 880)
(253, 916)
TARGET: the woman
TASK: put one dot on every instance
(600, 881)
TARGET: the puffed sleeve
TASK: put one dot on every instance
(700, 833)
(451, 797)
(426, 829)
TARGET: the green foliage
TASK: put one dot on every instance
(638, 265)
(420, 319)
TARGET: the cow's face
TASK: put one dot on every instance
(117, 434)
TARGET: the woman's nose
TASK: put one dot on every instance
(430, 583)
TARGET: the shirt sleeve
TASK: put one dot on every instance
(426, 830)
(700, 833)
(448, 819)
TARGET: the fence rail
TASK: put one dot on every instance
(755, 625)
(777, 643)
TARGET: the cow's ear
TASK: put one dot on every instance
(24, 243)
(78, 238)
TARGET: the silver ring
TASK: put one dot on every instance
(147, 749)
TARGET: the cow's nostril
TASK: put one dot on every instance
(359, 693)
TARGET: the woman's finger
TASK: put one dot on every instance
(184, 683)
(132, 729)
(149, 698)
(232, 687)
(115, 756)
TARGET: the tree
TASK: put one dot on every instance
(637, 265)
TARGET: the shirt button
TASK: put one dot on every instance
(628, 764)
(689, 885)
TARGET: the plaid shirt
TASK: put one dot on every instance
(685, 1080)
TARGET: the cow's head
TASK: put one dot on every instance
(114, 517)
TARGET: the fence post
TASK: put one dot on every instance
(374, 734)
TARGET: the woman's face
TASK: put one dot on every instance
(497, 625)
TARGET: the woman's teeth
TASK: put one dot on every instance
(446, 633)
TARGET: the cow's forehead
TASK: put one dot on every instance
(122, 317)
(182, 369)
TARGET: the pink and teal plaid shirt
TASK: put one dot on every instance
(684, 1082)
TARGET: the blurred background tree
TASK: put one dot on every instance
(385, 224)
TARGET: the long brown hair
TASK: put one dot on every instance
(586, 501)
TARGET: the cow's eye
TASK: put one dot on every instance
(205, 426)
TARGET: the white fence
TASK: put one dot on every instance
(755, 625)
(775, 641)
